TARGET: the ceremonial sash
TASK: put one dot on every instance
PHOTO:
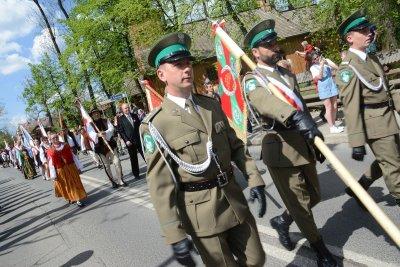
(289, 94)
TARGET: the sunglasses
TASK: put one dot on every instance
(267, 44)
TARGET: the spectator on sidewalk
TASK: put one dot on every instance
(321, 70)
(128, 128)
(208, 86)
(308, 49)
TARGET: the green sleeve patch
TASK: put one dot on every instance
(251, 84)
(346, 75)
(148, 143)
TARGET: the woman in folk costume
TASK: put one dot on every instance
(25, 161)
(44, 146)
(64, 169)
(36, 157)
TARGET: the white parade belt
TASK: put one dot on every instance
(190, 168)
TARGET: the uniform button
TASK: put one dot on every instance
(282, 116)
(187, 142)
(191, 201)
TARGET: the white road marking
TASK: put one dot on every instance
(286, 256)
(341, 253)
(142, 198)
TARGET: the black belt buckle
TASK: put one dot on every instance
(222, 179)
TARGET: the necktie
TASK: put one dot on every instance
(190, 107)
(130, 119)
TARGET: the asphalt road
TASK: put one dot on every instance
(120, 228)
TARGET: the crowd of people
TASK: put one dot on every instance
(56, 154)
(189, 146)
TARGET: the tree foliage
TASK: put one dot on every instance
(103, 39)
(5, 137)
(327, 15)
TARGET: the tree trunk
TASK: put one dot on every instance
(85, 71)
(175, 14)
(205, 9)
(60, 4)
(52, 36)
(235, 17)
(90, 88)
(48, 114)
(56, 47)
(389, 28)
(134, 66)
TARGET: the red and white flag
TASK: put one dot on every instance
(42, 130)
(87, 120)
(154, 99)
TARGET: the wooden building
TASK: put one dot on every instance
(290, 28)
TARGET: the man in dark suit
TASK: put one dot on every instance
(128, 128)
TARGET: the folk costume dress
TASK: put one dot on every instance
(64, 168)
(26, 162)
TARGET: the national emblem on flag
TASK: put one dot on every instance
(229, 88)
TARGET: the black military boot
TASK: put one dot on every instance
(365, 183)
(281, 225)
(324, 257)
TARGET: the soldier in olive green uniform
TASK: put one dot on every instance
(368, 106)
(189, 147)
(287, 148)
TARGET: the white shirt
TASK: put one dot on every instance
(272, 70)
(359, 53)
(129, 117)
(181, 101)
(266, 67)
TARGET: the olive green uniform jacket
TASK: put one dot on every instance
(364, 123)
(282, 146)
(205, 212)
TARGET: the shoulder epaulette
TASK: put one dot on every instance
(149, 117)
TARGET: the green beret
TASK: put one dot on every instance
(170, 48)
(262, 32)
(355, 21)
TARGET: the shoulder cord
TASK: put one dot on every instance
(367, 84)
(248, 103)
(190, 168)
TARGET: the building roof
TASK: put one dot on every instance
(388, 57)
(203, 43)
(287, 25)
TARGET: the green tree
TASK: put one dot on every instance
(324, 18)
(5, 137)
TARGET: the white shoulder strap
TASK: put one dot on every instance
(362, 79)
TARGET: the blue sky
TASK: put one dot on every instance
(22, 41)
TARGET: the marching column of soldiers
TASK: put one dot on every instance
(191, 149)
(199, 204)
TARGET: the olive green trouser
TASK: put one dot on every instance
(387, 163)
(298, 187)
(241, 241)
